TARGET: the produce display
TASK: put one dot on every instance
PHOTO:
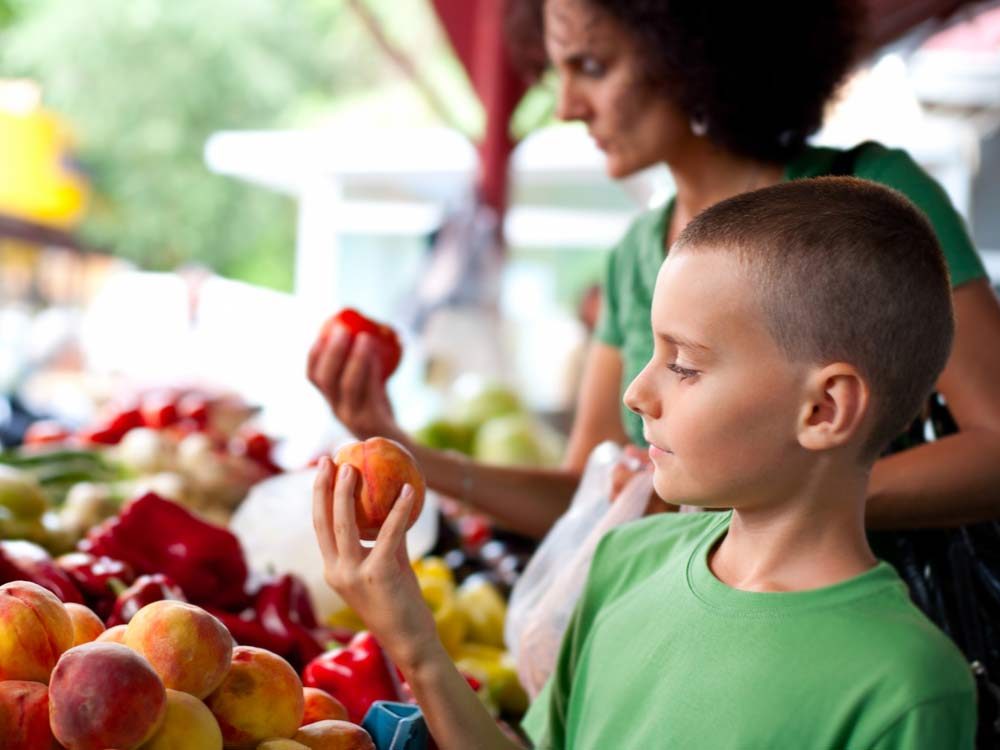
(173, 678)
(188, 445)
(130, 618)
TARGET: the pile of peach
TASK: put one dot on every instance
(169, 680)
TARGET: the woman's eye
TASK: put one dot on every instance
(590, 67)
(684, 372)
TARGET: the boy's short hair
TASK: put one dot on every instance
(845, 270)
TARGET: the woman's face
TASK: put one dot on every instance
(601, 83)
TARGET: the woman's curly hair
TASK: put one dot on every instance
(757, 73)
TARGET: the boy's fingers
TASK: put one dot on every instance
(345, 527)
(323, 511)
(393, 531)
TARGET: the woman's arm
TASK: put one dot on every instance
(380, 585)
(955, 480)
(527, 500)
(598, 406)
(531, 500)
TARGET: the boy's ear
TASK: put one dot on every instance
(835, 409)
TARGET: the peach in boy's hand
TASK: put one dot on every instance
(378, 582)
(384, 466)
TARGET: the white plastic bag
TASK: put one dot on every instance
(545, 595)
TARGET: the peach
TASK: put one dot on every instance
(105, 695)
(334, 735)
(321, 705)
(189, 648)
(24, 716)
(281, 744)
(188, 725)
(87, 626)
(115, 634)
(260, 698)
(385, 466)
(36, 630)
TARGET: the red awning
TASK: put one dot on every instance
(475, 28)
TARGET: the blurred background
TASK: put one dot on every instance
(188, 189)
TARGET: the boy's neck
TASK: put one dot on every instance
(814, 539)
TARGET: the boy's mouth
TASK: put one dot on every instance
(656, 450)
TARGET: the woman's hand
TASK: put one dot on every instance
(377, 583)
(348, 376)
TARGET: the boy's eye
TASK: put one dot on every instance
(684, 372)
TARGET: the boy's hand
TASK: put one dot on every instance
(633, 461)
(377, 583)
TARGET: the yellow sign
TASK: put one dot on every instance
(35, 181)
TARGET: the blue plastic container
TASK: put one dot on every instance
(396, 726)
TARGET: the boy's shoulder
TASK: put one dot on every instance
(904, 651)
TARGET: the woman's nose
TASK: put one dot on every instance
(570, 105)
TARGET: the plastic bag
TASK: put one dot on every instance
(545, 595)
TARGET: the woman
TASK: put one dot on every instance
(725, 94)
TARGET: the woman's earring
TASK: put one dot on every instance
(699, 124)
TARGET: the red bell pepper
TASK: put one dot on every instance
(99, 579)
(247, 630)
(145, 590)
(155, 535)
(387, 345)
(357, 675)
(285, 610)
(25, 561)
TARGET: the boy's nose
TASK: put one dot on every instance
(639, 396)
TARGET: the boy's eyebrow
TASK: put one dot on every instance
(682, 343)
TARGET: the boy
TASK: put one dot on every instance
(787, 356)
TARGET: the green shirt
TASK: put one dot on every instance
(661, 654)
(635, 261)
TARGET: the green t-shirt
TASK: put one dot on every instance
(635, 261)
(661, 654)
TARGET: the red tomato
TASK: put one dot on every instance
(194, 408)
(159, 412)
(99, 434)
(124, 421)
(474, 531)
(252, 444)
(387, 342)
(44, 432)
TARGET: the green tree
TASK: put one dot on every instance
(143, 84)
